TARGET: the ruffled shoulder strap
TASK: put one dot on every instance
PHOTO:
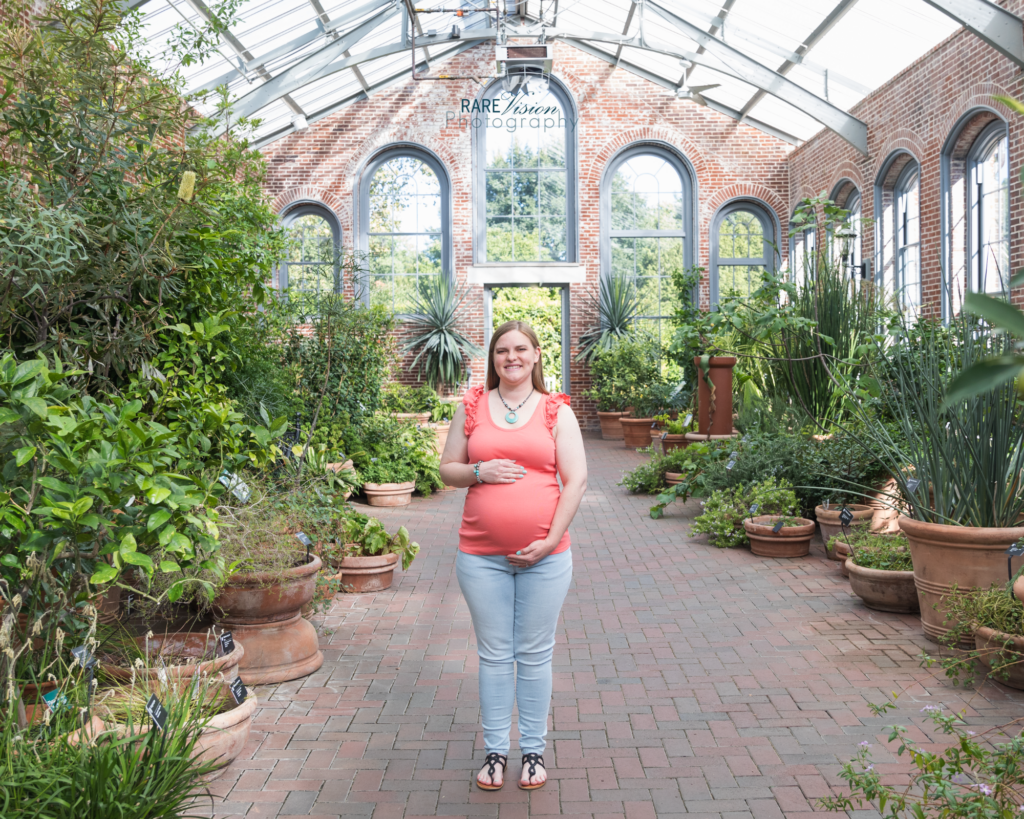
(471, 401)
(552, 402)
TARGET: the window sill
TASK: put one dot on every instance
(541, 273)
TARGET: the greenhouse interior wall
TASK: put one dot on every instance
(946, 96)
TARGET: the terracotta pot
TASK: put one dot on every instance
(673, 478)
(181, 645)
(371, 573)
(828, 521)
(972, 557)
(611, 429)
(32, 699)
(696, 437)
(674, 441)
(789, 541)
(842, 554)
(307, 609)
(886, 518)
(1005, 651)
(883, 590)
(418, 417)
(264, 612)
(441, 436)
(1018, 588)
(340, 467)
(389, 494)
(720, 374)
(225, 735)
(108, 605)
(636, 432)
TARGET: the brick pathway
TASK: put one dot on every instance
(687, 680)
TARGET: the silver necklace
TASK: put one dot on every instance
(510, 416)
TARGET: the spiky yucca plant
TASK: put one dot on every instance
(617, 307)
(442, 351)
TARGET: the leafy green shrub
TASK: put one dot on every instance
(396, 451)
(970, 609)
(396, 397)
(726, 509)
(872, 551)
(693, 465)
(624, 373)
(363, 535)
(649, 477)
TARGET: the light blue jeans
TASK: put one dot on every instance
(515, 612)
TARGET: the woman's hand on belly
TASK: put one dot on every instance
(534, 553)
(501, 470)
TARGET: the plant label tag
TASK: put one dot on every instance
(1016, 549)
(238, 487)
(912, 484)
(753, 509)
(129, 601)
(131, 500)
(730, 465)
(826, 506)
(664, 435)
(689, 420)
(156, 712)
(846, 517)
(304, 539)
(83, 654)
(238, 692)
(733, 456)
(778, 526)
(227, 642)
(55, 701)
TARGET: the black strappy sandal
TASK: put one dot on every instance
(490, 761)
(533, 760)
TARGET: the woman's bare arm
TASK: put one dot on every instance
(455, 467)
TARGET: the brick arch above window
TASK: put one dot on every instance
(309, 193)
(654, 135)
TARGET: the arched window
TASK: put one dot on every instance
(742, 236)
(854, 257)
(406, 218)
(898, 229)
(647, 213)
(989, 197)
(525, 173)
(312, 264)
(908, 237)
(802, 255)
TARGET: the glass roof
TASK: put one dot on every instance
(336, 52)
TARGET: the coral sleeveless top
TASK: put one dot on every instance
(501, 518)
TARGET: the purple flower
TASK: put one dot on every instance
(930, 708)
(971, 734)
(865, 744)
(870, 767)
(985, 789)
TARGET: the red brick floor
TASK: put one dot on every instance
(688, 679)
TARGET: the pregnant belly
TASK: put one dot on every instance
(502, 518)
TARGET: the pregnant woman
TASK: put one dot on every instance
(507, 443)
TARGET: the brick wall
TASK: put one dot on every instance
(616, 108)
(943, 96)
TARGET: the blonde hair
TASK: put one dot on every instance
(530, 333)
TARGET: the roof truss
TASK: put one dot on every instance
(993, 24)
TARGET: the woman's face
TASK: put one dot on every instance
(514, 357)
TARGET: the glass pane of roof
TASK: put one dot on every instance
(867, 46)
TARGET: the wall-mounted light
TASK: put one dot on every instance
(299, 122)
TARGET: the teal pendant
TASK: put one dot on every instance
(511, 417)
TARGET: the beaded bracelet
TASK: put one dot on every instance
(476, 471)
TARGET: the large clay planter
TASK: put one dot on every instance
(180, 676)
(720, 374)
(389, 494)
(673, 478)
(971, 557)
(418, 417)
(373, 573)
(441, 436)
(341, 467)
(611, 429)
(828, 521)
(883, 590)
(108, 605)
(790, 541)
(1018, 588)
(842, 552)
(636, 432)
(1006, 650)
(226, 733)
(263, 611)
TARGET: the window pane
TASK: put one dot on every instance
(528, 135)
(738, 279)
(993, 245)
(622, 257)
(741, 236)
(310, 239)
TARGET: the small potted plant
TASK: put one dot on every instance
(727, 511)
(398, 459)
(779, 535)
(408, 403)
(622, 374)
(992, 621)
(831, 524)
(672, 432)
(881, 572)
(367, 554)
(261, 603)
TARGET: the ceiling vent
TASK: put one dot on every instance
(522, 58)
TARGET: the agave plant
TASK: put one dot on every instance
(442, 351)
(617, 307)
